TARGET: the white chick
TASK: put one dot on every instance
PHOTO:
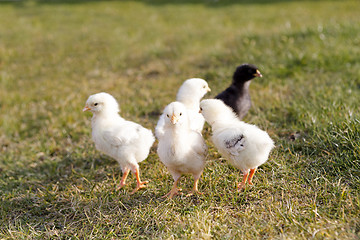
(128, 142)
(244, 145)
(189, 94)
(181, 149)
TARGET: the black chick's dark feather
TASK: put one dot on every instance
(237, 94)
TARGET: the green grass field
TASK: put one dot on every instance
(54, 184)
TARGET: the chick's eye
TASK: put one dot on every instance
(201, 109)
(95, 104)
(204, 86)
(180, 114)
(167, 115)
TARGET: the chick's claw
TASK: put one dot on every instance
(172, 193)
(120, 186)
(139, 186)
(240, 187)
(194, 192)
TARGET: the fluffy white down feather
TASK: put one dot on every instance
(181, 149)
(244, 145)
(189, 94)
(127, 142)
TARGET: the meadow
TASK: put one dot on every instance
(54, 184)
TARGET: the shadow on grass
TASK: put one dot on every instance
(80, 192)
(43, 211)
(70, 190)
(48, 170)
(208, 3)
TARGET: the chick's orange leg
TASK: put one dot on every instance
(195, 189)
(139, 184)
(243, 183)
(123, 179)
(173, 191)
(196, 181)
(252, 172)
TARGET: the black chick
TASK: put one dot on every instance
(237, 94)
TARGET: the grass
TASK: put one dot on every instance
(54, 54)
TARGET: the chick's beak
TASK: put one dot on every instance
(258, 74)
(174, 119)
(86, 108)
(208, 89)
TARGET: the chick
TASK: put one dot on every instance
(237, 95)
(128, 142)
(181, 149)
(190, 94)
(244, 145)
